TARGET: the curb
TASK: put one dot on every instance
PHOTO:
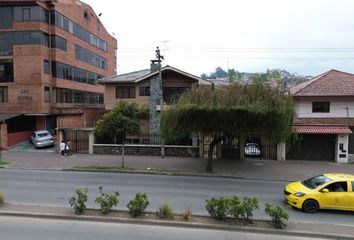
(179, 174)
(170, 223)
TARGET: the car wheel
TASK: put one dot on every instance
(310, 206)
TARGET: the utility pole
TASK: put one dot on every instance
(159, 58)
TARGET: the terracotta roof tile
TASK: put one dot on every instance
(321, 130)
(324, 121)
(331, 83)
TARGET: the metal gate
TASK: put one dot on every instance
(79, 140)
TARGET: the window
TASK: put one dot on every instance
(125, 92)
(46, 66)
(3, 94)
(68, 72)
(46, 94)
(144, 91)
(30, 13)
(63, 22)
(6, 71)
(30, 37)
(90, 57)
(26, 14)
(171, 94)
(59, 42)
(5, 17)
(5, 43)
(64, 95)
(320, 107)
(337, 187)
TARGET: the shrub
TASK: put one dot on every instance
(79, 203)
(186, 214)
(247, 206)
(166, 211)
(107, 201)
(2, 198)
(218, 207)
(235, 206)
(138, 205)
(279, 215)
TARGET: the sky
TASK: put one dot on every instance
(307, 37)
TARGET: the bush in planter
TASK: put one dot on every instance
(166, 211)
(218, 207)
(247, 206)
(279, 215)
(107, 201)
(235, 206)
(138, 205)
(186, 214)
(2, 198)
(79, 202)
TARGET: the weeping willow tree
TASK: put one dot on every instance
(233, 110)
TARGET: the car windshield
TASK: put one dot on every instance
(42, 135)
(314, 182)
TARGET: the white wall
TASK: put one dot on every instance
(303, 108)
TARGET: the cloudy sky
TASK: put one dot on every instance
(303, 36)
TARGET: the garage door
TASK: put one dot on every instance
(318, 147)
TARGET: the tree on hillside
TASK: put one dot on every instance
(122, 120)
(232, 111)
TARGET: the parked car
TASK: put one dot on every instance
(42, 139)
(252, 149)
(326, 191)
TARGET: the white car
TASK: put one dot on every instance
(42, 139)
(252, 149)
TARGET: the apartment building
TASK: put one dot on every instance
(52, 52)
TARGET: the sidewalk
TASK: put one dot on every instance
(249, 169)
(311, 230)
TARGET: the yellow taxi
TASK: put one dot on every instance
(326, 191)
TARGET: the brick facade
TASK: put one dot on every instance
(26, 94)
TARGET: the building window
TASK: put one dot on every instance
(90, 57)
(125, 92)
(30, 13)
(64, 95)
(26, 14)
(320, 107)
(68, 72)
(5, 43)
(6, 71)
(3, 94)
(46, 94)
(59, 42)
(46, 66)
(5, 17)
(144, 91)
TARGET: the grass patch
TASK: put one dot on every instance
(3, 163)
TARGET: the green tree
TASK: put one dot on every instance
(122, 120)
(235, 110)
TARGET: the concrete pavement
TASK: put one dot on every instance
(249, 169)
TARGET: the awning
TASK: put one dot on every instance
(5, 116)
(322, 129)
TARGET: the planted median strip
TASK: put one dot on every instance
(223, 210)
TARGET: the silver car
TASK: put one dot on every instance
(252, 149)
(42, 139)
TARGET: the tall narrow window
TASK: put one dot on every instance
(46, 66)
(3, 94)
(46, 94)
(26, 14)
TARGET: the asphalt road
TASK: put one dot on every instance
(54, 188)
(16, 228)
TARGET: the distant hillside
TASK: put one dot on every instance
(274, 76)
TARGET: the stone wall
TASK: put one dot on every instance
(149, 150)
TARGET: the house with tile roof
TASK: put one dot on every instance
(143, 87)
(324, 118)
